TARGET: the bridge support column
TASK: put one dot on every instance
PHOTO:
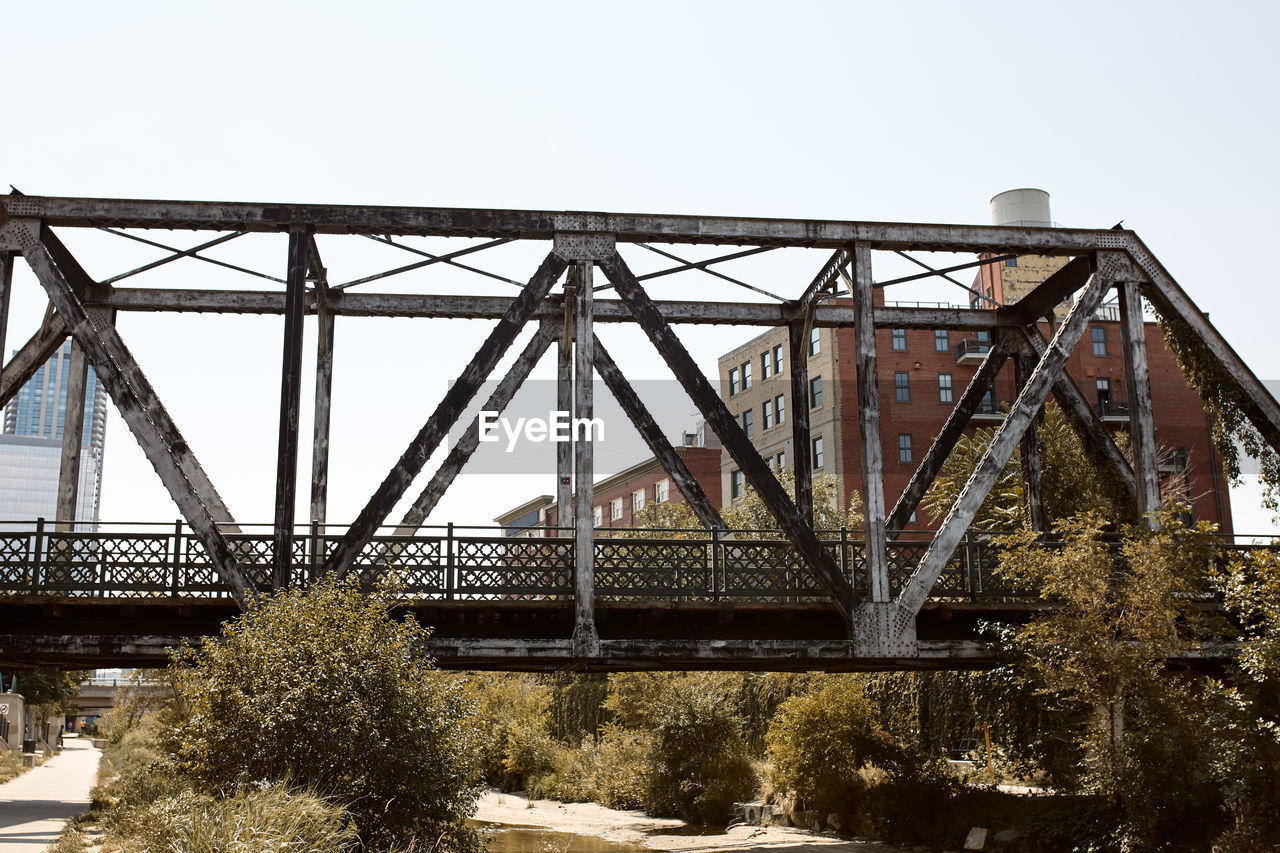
(875, 539)
(6, 293)
(72, 430)
(1138, 385)
(586, 639)
(564, 402)
(324, 393)
(801, 461)
(1023, 364)
(290, 399)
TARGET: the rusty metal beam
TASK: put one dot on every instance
(456, 307)
(927, 471)
(72, 430)
(34, 353)
(1002, 446)
(446, 413)
(1029, 458)
(290, 402)
(6, 296)
(1142, 429)
(740, 448)
(542, 225)
(586, 637)
(875, 538)
(657, 442)
(798, 334)
(156, 433)
(470, 438)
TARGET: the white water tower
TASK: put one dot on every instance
(1026, 208)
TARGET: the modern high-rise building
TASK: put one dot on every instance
(31, 446)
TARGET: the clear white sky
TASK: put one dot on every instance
(1160, 114)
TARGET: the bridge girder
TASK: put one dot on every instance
(882, 626)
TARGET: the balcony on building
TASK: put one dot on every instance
(972, 350)
(1113, 411)
(991, 409)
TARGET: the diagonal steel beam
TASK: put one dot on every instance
(1002, 446)
(470, 440)
(1046, 295)
(446, 413)
(1088, 427)
(155, 432)
(731, 436)
(35, 352)
(927, 471)
(830, 272)
(658, 444)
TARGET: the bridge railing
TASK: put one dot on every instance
(485, 563)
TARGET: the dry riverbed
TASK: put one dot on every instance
(631, 827)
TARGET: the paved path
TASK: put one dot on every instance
(34, 807)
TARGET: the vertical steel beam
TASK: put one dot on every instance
(564, 402)
(657, 442)
(864, 325)
(72, 430)
(1029, 457)
(445, 414)
(942, 445)
(586, 639)
(6, 296)
(295, 303)
(325, 320)
(138, 405)
(797, 530)
(1138, 384)
(802, 461)
(997, 455)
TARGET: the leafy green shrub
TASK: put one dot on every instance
(322, 689)
(698, 765)
(818, 743)
(514, 722)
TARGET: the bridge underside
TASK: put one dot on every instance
(532, 636)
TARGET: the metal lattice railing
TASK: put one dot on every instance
(483, 564)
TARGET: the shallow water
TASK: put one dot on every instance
(514, 838)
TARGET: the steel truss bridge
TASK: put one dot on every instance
(801, 600)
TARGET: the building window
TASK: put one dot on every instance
(615, 509)
(772, 463)
(817, 452)
(904, 447)
(1011, 262)
(815, 392)
(814, 346)
(766, 365)
(746, 376)
(662, 491)
(768, 414)
(735, 485)
(941, 340)
(988, 404)
(734, 387)
(902, 386)
(1104, 395)
(782, 460)
(898, 339)
(778, 360)
(637, 500)
(1099, 340)
(945, 388)
(597, 516)
(779, 407)
(748, 422)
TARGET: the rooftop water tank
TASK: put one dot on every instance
(1024, 208)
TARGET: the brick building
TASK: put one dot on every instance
(620, 498)
(922, 372)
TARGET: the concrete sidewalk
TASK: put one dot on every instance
(34, 807)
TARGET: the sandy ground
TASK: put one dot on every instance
(639, 828)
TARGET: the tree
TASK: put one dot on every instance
(820, 741)
(1121, 610)
(1071, 483)
(322, 689)
(50, 693)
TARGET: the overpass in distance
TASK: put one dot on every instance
(794, 598)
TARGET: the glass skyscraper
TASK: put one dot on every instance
(31, 446)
